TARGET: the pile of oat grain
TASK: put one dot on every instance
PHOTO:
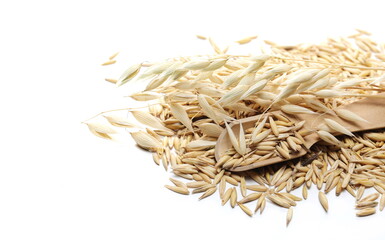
(191, 100)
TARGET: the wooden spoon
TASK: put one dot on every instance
(372, 109)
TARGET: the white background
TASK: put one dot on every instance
(58, 181)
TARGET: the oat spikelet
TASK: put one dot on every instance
(180, 113)
(233, 139)
(257, 130)
(210, 129)
(100, 128)
(197, 65)
(119, 121)
(129, 74)
(207, 109)
(329, 138)
(232, 79)
(261, 136)
(149, 120)
(338, 127)
(294, 109)
(323, 200)
(349, 116)
(283, 152)
(326, 93)
(216, 64)
(146, 141)
(156, 69)
(255, 88)
(233, 95)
